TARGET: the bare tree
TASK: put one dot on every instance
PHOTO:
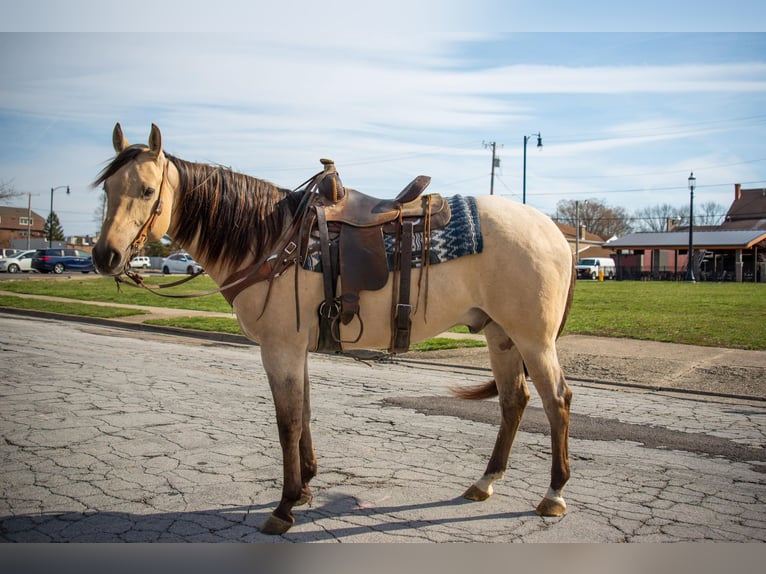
(595, 215)
(660, 217)
(709, 213)
(664, 217)
(7, 191)
(99, 214)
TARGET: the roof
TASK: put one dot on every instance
(9, 218)
(569, 233)
(720, 239)
(749, 204)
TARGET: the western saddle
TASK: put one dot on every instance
(346, 228)
(350, 227)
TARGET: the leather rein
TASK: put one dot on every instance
(267, 268)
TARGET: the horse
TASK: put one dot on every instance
(518, 291)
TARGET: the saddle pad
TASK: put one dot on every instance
(462, 236)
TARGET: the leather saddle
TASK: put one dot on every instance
(351, 227)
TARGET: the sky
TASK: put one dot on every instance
(627, 100)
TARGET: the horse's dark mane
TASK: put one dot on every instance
(230, 216)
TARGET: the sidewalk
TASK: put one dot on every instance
(597, 360)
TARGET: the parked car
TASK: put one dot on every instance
(140, 262)
(180, 263)
(60, 260)
(22, 261)
(4, 253)
(590, 267)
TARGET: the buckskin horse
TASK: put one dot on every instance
(517, 290)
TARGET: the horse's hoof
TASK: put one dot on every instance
(306, 498)
(548, 507)
(476, 494)
(276, 525)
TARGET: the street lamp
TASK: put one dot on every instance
(690, 262)
(524, 176)
(50, 216)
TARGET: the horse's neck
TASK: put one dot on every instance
(218, 271)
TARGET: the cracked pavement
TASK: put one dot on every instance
(112, 435)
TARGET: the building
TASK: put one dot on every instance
(733, 251)
(586, 244)
(748, 210)
(20, 227)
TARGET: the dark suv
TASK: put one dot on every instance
(60, 260)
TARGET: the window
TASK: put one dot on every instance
(26, 221)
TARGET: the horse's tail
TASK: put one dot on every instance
(489, 389)
(476, 392)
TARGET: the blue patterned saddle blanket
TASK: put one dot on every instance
(462, 236)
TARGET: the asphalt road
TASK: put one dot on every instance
(111, 434)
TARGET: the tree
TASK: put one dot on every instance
(99, 214)
(157, 249)
(664, 217)
(595, 215)
(7, 191)
(709, 213)
(656, 218)
(53, 230)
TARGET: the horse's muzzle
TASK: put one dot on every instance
(108, 261)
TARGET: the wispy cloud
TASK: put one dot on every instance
(386, 109)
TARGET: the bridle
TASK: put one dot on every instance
(140, 240)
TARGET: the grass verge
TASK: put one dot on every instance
(708, 314)
(81, 309)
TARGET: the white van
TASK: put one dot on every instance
(140, 262)
(590, 267)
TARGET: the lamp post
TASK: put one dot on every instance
(524, 172)
(690, 261)
(50, 216)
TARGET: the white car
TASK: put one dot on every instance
(180, 263)
(140, 262)
(21, 261)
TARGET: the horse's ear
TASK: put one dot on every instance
(118, 138)
(155, 141)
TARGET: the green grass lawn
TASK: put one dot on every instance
(708, 314)
(104, 289)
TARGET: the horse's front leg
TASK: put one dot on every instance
(306, 445)
(286, 370)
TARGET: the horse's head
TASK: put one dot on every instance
(139, 201)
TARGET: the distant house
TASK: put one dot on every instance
(748, 211)
(18, 226)
(734, 250)
(587, 244)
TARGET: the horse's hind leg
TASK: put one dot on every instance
(508, 370)
(546, 374)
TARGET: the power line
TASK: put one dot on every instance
(644, 189)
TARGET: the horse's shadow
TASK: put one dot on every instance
(234, 524)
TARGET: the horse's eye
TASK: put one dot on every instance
(148, 192)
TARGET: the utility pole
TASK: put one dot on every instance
(495, 163)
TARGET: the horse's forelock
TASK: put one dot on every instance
(120, 160)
